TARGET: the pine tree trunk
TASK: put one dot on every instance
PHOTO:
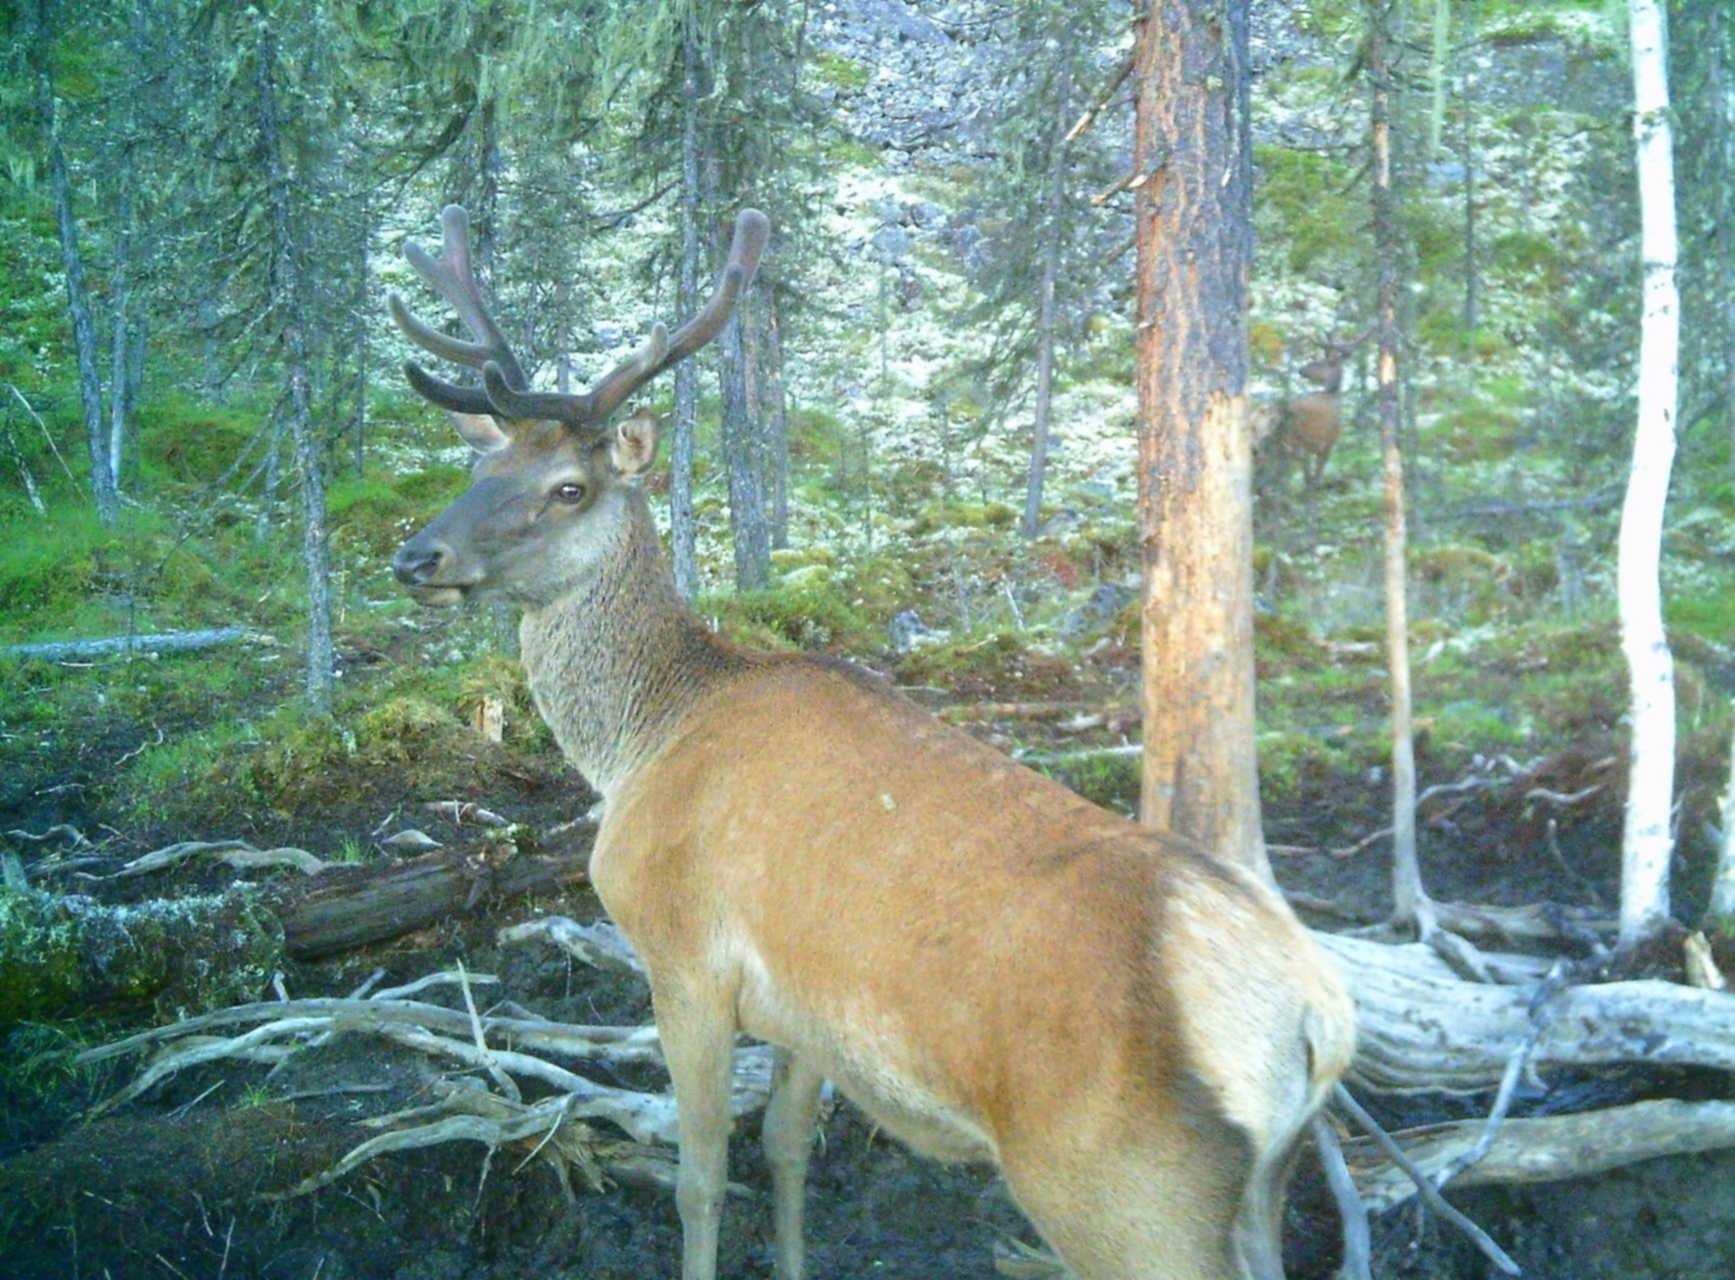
(777, 423)
(287, 303)
(747, 527)
(1045, 307)
(1408, 897)
(1647, 842)
(358, 414)
(72, 267)
(1200, 776)
(683, 534)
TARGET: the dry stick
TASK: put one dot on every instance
(1357, 1238)
(1102, 100)
(46, 434)
(1424, 1185)
(507, 1085)
(1509, 1078)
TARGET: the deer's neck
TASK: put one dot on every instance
(615, 664)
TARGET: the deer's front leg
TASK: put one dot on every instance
(788, 1139)
(697, 1026)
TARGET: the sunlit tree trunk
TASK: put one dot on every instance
(287, 303)
(1195, 241)
(1409, 900)
(1647, 842)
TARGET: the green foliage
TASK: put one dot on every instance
(1307, 199)
(413, 731)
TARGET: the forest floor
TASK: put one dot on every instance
(177, 1183)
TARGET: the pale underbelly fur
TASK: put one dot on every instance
(871, 1061)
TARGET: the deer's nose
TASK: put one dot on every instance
(414, 565)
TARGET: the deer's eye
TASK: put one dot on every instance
(570, 493)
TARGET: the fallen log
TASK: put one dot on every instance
(159, 642)
(61, 953)
(1545, 1149)
(1425, 1029)
(348, 907)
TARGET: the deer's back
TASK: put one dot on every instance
(936, 925)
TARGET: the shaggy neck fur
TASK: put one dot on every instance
(615, 663)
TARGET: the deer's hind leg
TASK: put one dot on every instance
(788, 1140)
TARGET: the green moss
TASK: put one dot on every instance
(372, 514)
(1000, 663)
(957, 514)
(1710, 616)
(414, 732)
(1110, 781)
(809, 609)
(190, 441)
(60, 953)
(841, 72)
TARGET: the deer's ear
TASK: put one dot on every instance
(634, 445)
(480, 431)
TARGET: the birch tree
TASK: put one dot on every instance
(1193, 176)
(1410, 902)
(1647, 841)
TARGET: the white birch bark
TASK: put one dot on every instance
(1646, 843)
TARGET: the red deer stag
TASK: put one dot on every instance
(1134, 1032)
(1307, 426)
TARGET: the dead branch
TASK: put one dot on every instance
(1351, 1209)
(458, 812)
(600, 945)
(1084, 122)
(235, 853)
(1424, 1186)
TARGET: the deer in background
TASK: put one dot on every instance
(1308, 426)
(1134, 1032)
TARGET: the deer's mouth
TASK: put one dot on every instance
(438, 597)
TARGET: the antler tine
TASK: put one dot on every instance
(633, 372)
(453, 277)
(446, 394)
(752, 230)
(659, 350)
